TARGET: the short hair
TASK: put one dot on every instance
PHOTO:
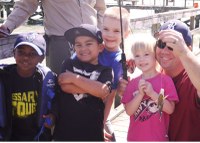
(114, 12)
(144, 42)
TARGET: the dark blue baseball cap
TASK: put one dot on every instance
(179, 26)
(84, 30)
(34, 40)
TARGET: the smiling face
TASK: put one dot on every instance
(144, 53)
(87, 49)
(111, 27)
(171, 64)
(145, 60)
(111, 33)
(26, 59)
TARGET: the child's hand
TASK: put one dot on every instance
(107, 137)
(130, 65)
(148, 89)
(49, 120)
(142, 86)
(121, 86)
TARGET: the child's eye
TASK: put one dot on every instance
(22, 53)
(89, 44)
(77, 45)
(105, 29)
(116, 31)
(146, 54)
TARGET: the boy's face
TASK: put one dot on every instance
(111, 33)
(87, 49)
(26, 59)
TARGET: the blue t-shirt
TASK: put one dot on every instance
(112, 59)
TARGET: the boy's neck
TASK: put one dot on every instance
(112, 49)
(95, 62)
(25, 73)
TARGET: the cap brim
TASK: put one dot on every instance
(32, 45)
(71, 34)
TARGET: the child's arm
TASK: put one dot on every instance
(108, 104)
(71, 88)
(121, 86)
(168, 106)
(92, 87)
(68, 87)
(132, 106)
(108, 131)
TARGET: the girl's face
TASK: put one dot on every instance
(111, 33)
(87, 49)
(26, 59)
(145, 60)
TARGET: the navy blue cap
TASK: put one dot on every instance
(179, 26)
(83, 30)
(34, 40)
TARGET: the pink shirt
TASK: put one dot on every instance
(145, 124)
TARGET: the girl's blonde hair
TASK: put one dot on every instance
(144, 42)
(114, 12)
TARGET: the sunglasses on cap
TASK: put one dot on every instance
(162, 45)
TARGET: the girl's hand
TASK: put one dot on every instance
(149, 89)
(142, 86)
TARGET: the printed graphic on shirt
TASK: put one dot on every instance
(24, 103)
(91, 75)
(146, 109)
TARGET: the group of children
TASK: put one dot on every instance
(77, 102)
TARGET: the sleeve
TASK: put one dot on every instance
(55, 101)
(106, 76)
(23, 9)
(100, 7)
(170, 90)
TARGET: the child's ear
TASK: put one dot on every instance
(41, 59)
(190, 47)
(101, 47)
(127, 33)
